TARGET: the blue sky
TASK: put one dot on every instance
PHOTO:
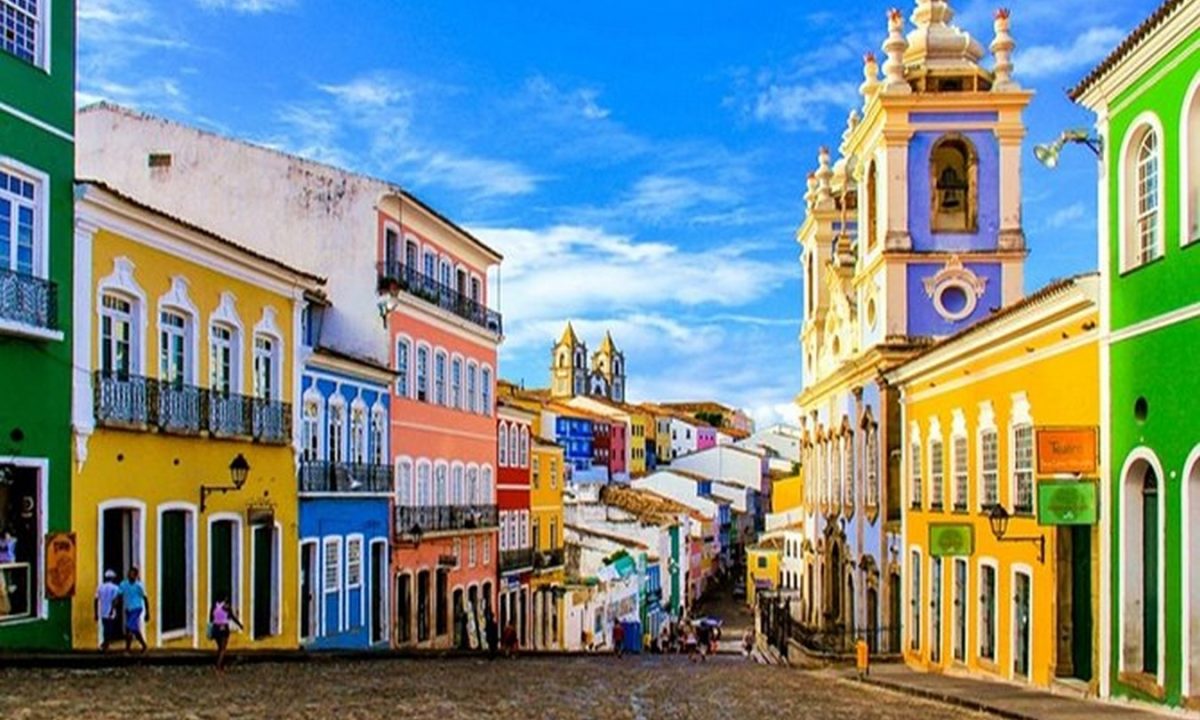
(640, 165)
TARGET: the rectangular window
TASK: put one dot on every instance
(430, 265)
(961, 475)
(402, 350)
(423, 374)
(439, 379)
(987, 612)
(1023, 467)
(915, 601)
(172, 348)
(21, 29)
(264, 368)
(485, 389)
(354, 563)
(937, 474)
(915, 470)
(989, 460)
(18, 210)
(502, 445)
(116, 336)
(377, 430)
(471, 399)
(221, 359)
(456, 384)
(553, 533)
(535, 473)
(333, 566)
(337, 420)
(553, 472)
(487, 549)
(471, 551)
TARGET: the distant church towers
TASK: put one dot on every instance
(571, 375)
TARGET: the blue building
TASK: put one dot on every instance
(575, 433)
(345, 488)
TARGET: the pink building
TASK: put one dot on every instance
(706, 437)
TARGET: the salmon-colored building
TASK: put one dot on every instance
(433, 295)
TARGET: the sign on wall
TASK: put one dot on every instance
(1068, 502)
(60, 565)
(1066, 451)
(951, 539)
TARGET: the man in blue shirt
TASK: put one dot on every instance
(108, 610)
(137, 605)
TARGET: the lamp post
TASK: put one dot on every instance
(1047, 153)
(239, 470)
(998, 519)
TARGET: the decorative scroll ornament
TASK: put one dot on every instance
(955, 290)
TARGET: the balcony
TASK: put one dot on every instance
(321, 476)
(548, 559)
(413, 520)
(140, 403)
(28, 302)
(520, 559)
(396, 277)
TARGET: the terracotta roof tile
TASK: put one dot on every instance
(1127, 46)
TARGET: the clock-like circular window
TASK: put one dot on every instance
(954, 300)
(871, 313)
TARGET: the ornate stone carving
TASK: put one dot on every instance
(1002, 48)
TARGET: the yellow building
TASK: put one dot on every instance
(546, 511)
(762, 567)
(1000, 544)
(787, 493)
(184, 376)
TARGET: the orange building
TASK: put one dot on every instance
(433, 294)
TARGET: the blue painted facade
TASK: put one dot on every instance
(987, 230)
(924, 319)
(575, 435)
(345, 507)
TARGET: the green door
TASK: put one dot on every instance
(173, 580)
(1081, 608)
(264, 572)
(1150, 561)
(220, 553)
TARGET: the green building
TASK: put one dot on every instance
(1146, 96)
(37, 157)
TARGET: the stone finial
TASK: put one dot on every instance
(1002, 47)
(870, 81)
(811, 194)
(824, 197)
(852, 121)
(894, 47)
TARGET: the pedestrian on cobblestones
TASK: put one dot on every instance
(137, 608)
(108, 610)
(618, 636)
(219, 620)
(491, 634)
(510, 640)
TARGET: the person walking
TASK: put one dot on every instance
(107, 610)
(618, 636)
(492, 634)
(689, 642)
(137, 608)
(704, 641)
(219, 620)
(509, 640)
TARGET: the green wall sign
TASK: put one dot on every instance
(1067, 502)
(951, 539)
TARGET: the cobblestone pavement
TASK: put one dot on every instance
(566, 687)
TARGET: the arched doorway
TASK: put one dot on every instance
(1141, 540)
(1192, 530)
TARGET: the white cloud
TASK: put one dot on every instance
(248, 7)
(371, 91)
(1068, 216)
(1084, 51)
(657, 197)
(116, 40)
(805, 105)
(481, 177)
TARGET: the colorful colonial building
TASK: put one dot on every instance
(1146, 96)
(912, 233)
(514, 442)
(345, 484)
(546, 484)
(1001, 535)
(185, 381)
(37, 128)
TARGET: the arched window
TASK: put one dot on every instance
(524, 446)
(1141, 194)
(439, 485)
(424, 489)
(336, 429)
(514, 447)
(1147, 217)
(502, 442)
(1190, 162)
(358, 432)
(872, 206)
(456, 484)
(404, 479)
(953, 171)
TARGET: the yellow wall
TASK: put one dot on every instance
(787, 493)
(638, 424)
(755, 573)
(1060, 382)
(546, 499)
(151, 470)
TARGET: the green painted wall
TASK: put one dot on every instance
(35, 397)
(1158, 366)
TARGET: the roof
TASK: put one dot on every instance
(569, 337)
(129, 112)
(619, 539)
(130, 200)
(644, 504)
(607, 345)
(575, 412)
(771, 544)
(357, 359)
(543, 442)
(1046, 292)
(1128, 45)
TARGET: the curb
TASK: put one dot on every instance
(944, 698)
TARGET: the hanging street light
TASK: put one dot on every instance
(239, 470)
(1048, 153)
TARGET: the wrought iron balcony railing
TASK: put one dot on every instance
(521, 558)
(397, 277)
(322, 476)
(28, 300)
(546, 559)
(418, 520)
(133, 401)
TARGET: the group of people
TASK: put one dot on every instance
(697, 640)
(504, 640)
(123, 609)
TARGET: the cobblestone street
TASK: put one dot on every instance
(574, 687)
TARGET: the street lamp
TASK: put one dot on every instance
(239, 470)
(998, 519)
(1047, 153)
